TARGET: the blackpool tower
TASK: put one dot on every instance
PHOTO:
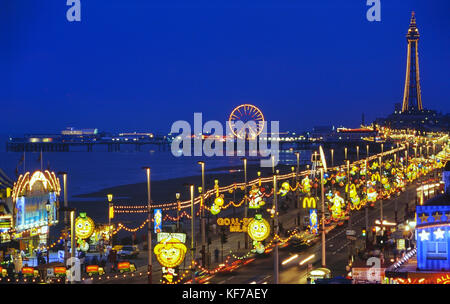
(412, 100)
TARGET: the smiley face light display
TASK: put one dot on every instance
(84, 226)
(258, 230)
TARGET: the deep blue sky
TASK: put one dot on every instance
(142, 64)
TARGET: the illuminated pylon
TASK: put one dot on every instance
(412, 99)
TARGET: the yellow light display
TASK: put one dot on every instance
(309, 202)
(170, 252)
(258, 228)
(84, 226)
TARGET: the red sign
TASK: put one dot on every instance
(28, 270)
(123, 265)
(92, 268)
(59, 270)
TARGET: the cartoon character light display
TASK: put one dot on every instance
(258, 230)
(306, 185)
(256, 197)
(217, 205)
(337, 205)
(284, 188)
(170, 253)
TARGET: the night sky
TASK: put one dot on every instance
(140, 65)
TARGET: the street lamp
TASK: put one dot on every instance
(332, 157)
(48, 207)
(177, 195)
(345, 149)
(149, 227)
(276, 231)
(110, 216)
(245, 198)
(357, 153)
(66, 206)
(192, 234)
(367, 150)
(202, 214)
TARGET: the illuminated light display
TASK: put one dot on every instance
(84, 226)
(340, 177)
(235, 224)
(246, 113)
(94, 270)
(217, 206)
(170, 251)
(313, 221)
(306, 185)
(309, 202)
(284, 188)
(258, 228)
(126, 267)
(256, 197)
(433, 237)
(354, 197)
(157, 220)
(371, 192)
(31, 195)
(337, 206)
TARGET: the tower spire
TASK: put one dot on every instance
(412, 99)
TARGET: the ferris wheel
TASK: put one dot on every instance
(246, 113)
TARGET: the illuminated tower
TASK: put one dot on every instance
(412, 99)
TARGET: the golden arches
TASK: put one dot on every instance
(310, 202)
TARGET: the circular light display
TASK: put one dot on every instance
(84, 226)
(170, 252)
(246, 113)
(258, 228)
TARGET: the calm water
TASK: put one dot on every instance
(93, 171)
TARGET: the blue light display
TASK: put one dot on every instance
(157, 216)
(313, 221)
(433, 237)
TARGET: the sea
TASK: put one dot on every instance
(89, 172)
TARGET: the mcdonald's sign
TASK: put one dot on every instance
(310, 202)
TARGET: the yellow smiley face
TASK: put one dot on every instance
(84, 226)
(258, 228)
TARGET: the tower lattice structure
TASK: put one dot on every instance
(412, 99)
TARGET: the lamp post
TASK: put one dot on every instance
(245, 199)
(177, 195)
(357, 153)
(72, 237)
(48, 209)
(324, 263)
(381, 200)
(345, 149)
(110, 216)
(367, 150)
(149, 227)
(273, 164)
(202, 214)
(192, 235)
(332, 157)
(66, 228)
(276, 231)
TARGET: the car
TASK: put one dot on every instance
(128, 251)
